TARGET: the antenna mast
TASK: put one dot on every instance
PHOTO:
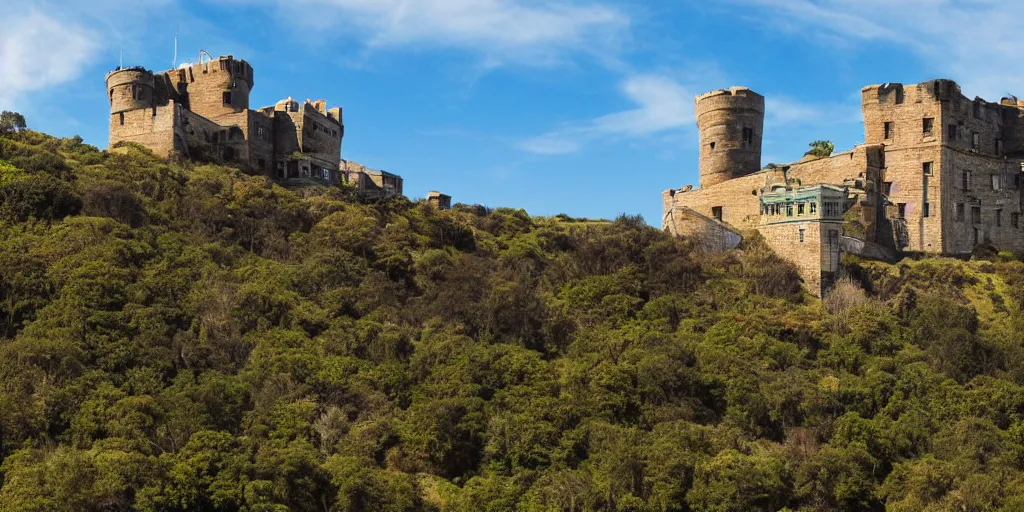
(174, 63)
(121, 63)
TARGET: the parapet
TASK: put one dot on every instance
(731, 98)
(939, 89)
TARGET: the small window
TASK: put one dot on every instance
(712, 146)
(928, 124)
(899, 96)
(716, 212)
(135, 92)
(965, 180)
(888, 129)
(154, 111)
(999, 218)
(886, 188)
(953, 132)
(789, 209)
(976, 140)
(227, 97)
(901, 210)
(996, 182)
(959, 216)
(976, 214)
(802, 233)
(814, 208)
(926, 168)
(927, 210)
(1015, 220)
(748, 136)
(800, 209)
(122, 118)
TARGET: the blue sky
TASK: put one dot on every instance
(583, 107)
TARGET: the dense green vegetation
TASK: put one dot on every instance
(178, 337)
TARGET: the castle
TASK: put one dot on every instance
(938, 173)
(201, 111)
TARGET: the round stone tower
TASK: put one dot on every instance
(130, 89)
(731, 123)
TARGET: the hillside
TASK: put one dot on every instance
(186, 337)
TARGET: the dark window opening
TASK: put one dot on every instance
(965, 180)
(712, 146)
(928, 124)
(953, 132)
(1015, 220)
(927, 211)
(899, 96)
(227, 97)
(901, 210)
(800, 209)
(976, 140)
(999, 218)
(999, 147)
(748, 136)
(886, 188)
(802, 232)
(716, 212)
(959, 216)
(926, 168)
(888, 129)
(122, 118)
(976, 214)
(154, 111)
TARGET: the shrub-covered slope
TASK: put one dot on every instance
(190, 338)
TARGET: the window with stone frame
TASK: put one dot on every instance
(748, 136)
(802, 234)
(926, 210)
(976, 140)
(960, 212)
(928, 125)
(926, 168)
(965, 180)
(996, 182)
(1015, 220)
(888, 129)
(953, 132)
(976, 214)
(999, 218)
(716, 212)
(901, 210)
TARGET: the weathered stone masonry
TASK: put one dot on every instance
(938, 172)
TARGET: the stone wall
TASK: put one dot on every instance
(998, 205)
(815, 257)
(731, 125)
(151, 127)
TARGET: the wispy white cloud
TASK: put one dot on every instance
(787, 111)
(524, 31)
(973, 41)
(661, 105)
(38, 50)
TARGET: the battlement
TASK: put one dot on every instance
(734, 98)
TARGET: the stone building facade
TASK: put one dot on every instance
(937, 173)
(202, 111)
(371, 183)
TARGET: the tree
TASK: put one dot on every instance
(821, 148)
(11, 122)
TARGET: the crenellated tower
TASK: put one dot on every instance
(731, 124)
(130, 89)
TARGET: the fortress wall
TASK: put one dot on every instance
(958, 234)
(862, 162)
(738, 198)
(814, 258)
(151, 127)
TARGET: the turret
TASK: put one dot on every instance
(731, 123)
(221, 86)
(130, 89)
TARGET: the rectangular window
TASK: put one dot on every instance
(899, 96)
(928, 125)
(901, 210)
(888, 129)
(953, 132)
(999, 147)
(748, 136)
(976, 140)
(927, 210)
(800, 209)
(996, 182)
(976, 214)
(1015, 220)
(716, 212)
(789, 209)
(965, 180)
(999, 218)
(959, 216)
(886, 188)
(227, 97)
(122, 118)
(926, 168)
(802, 232)
(814, 208)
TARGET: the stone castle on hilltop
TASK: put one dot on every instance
(201, 111)
(938, 173)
